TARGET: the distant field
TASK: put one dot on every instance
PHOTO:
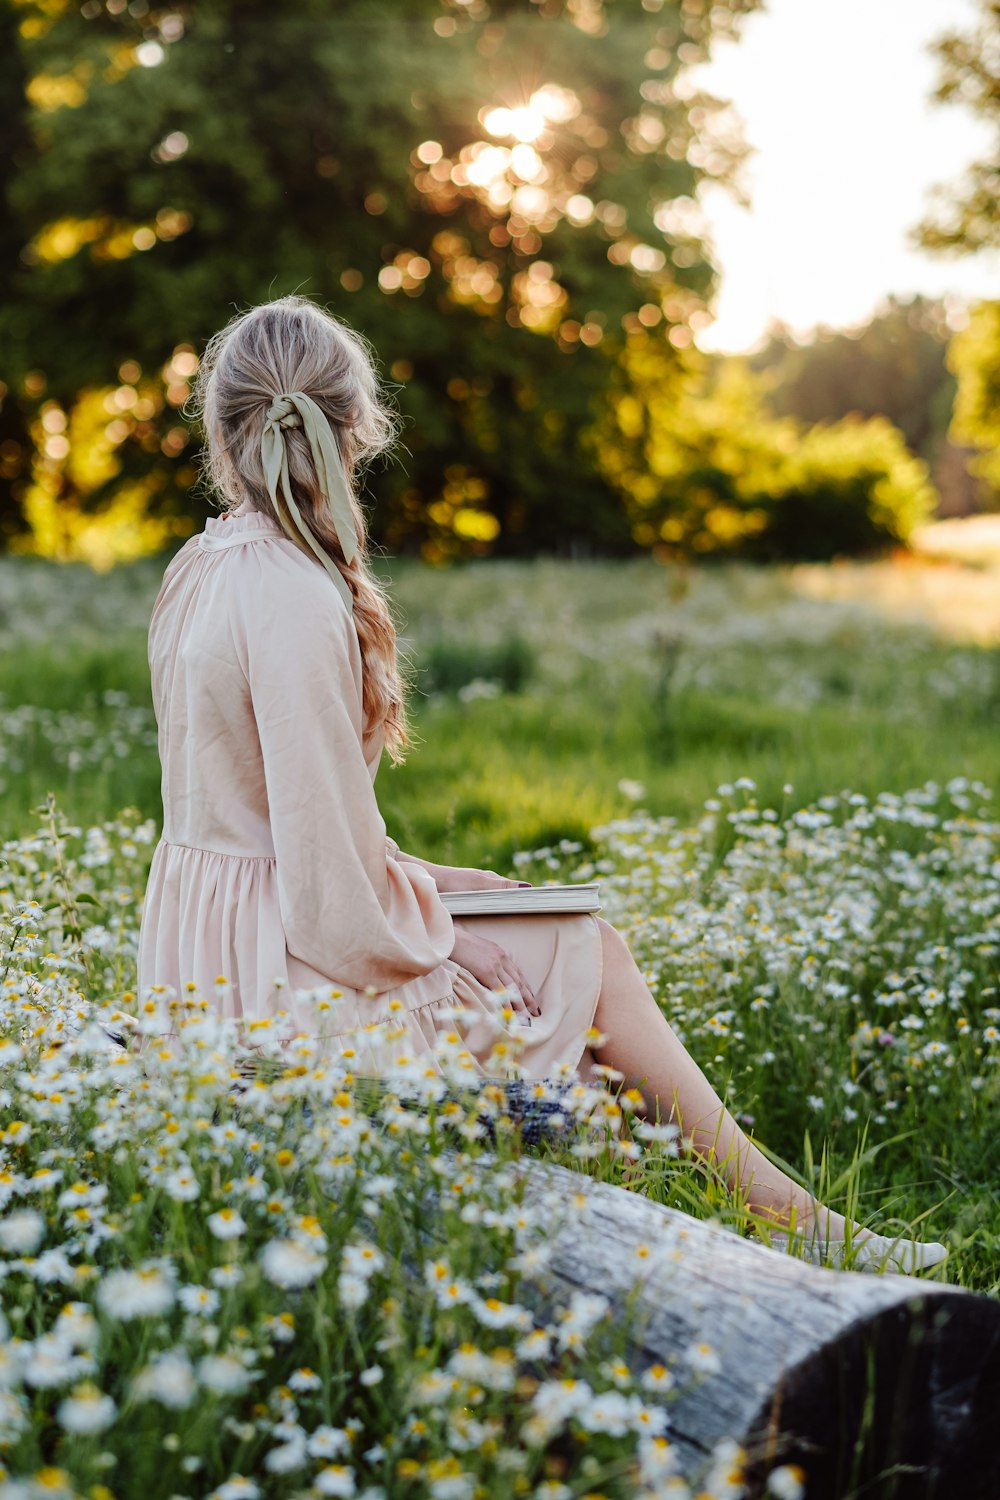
(968, 539)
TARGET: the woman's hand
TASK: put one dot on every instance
(460, 878)
(492, 965)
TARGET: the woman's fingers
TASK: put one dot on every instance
(526, 994)
(504, 981)
(513, 996)
(522, 982)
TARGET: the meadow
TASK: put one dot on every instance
(784, 780)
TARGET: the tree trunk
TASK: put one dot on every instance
(884, 1387)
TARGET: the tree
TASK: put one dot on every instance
(975, 360)
(964, 220)
(847, 488)
(894, 366)
(15, 157)
(497, 193)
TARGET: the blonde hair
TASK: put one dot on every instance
(293, 345)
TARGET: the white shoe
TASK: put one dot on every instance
(872, 1252)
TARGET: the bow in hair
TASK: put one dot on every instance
(296, 409)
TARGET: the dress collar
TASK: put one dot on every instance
(236, 526)
(241, 521)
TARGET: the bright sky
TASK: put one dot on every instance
(835, 96)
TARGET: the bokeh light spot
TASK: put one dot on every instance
(149, 54)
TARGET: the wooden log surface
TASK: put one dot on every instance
(881, 1387)
(885, 1387)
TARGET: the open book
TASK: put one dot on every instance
(532, 900)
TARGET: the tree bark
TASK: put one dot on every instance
(885, 1387)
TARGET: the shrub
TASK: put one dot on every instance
(705, 469)
(849, 487)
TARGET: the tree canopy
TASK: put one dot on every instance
(494, 193)
(502, 195)
(964, 220)
(964, 217)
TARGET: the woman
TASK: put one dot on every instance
(276, 688)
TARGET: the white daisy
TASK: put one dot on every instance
(182, 1185)
(198, 1299)
(336, 1479)
(169, 1379)
(290, 1264)
(144, 1293)
(21, 1233)
(223, 1374)
(703, 1358)
(87, 1409)
(329, 1442)
(227, 1224)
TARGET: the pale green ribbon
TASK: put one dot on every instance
(296, 409)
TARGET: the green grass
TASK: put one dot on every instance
(115, 763)
(492, 775)
(516, 772)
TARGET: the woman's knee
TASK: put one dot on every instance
(612, 941)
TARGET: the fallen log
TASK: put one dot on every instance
(848, 1375)
(876, 1385)
(881, 1386)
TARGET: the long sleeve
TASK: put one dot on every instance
(349, 909)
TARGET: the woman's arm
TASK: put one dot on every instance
(348, 908)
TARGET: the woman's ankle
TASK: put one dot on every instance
(802, 1216)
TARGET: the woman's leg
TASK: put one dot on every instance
(642, 1045)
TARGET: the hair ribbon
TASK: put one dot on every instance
(296, 409)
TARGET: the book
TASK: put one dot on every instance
(534, 900)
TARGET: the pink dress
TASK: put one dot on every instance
(274, 873)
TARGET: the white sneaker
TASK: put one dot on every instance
(872, 1252)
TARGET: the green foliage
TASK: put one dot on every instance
(707, 469)
(506, 273)
(682, 447)
(965, 216)
(892, 366)
(332, 1251)
(794, 678)
(811, 956)
(283, 1271)
(15, 156)
(965, 219)
(847, 488)
(974, 357)
(264, 150)
(758, 679)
